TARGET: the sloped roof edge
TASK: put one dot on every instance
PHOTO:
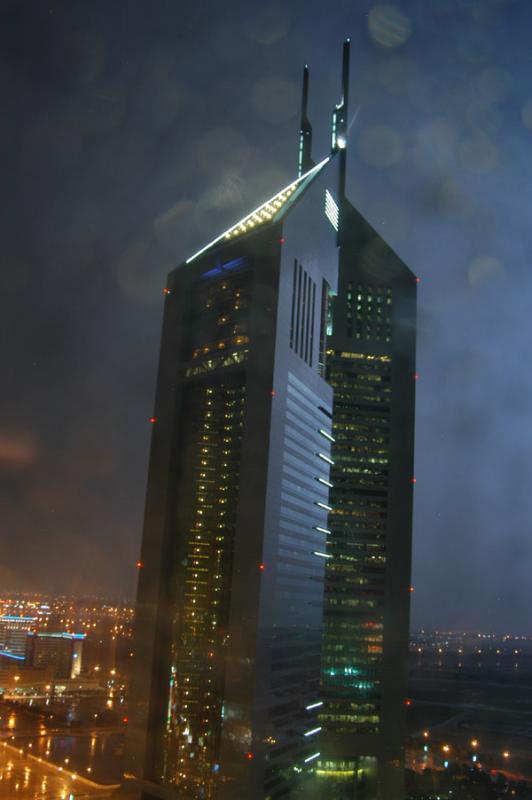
(269, 211)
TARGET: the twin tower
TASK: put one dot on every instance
(273, 599)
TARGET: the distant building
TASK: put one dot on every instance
(13, 633)
(61, 651)
(18, 680)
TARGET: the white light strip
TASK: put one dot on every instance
(325, 483)
(327, 435)
(334, 224)
(331, 209)
(322, 530)
(321, 555)
(331, 218)
(311, 758)
(291, 187)
(314, 705)
(312, 732)
(325, 458)
(324, 505)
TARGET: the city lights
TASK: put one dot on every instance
(286, 383)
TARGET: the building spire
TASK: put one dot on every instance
(304, 160)
(339, 120)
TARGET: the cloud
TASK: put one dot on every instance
(222, 148)
(269, 25)
(275, 100)
(380, 146)
(139, 272)
(17, 449)
(483, 269)
(169, 225)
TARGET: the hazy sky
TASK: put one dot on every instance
(132, 132)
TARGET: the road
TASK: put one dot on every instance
(96, 752)
(24, 777)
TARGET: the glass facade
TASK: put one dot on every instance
(269, 504)
(206, 501)
(297, 606)
(246, 453)
(356, 573)
(368, 312)
(355, 583)
(206, 509)
(369, 363)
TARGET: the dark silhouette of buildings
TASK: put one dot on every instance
(260, 515)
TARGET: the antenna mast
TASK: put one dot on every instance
(304, 160)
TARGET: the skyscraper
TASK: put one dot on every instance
(230, 594)
(371, 368)
(230, 608)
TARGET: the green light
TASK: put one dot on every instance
(345, 670)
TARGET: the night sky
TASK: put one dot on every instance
(133, 132)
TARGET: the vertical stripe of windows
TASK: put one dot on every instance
(312, 306)
(303, 314)
(298, 305)
(292, 321)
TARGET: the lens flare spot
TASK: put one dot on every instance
(388, 26)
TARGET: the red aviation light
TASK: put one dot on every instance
(140, 564)
(166, 290)
(262, 567)
(408, 702)
(153, 420)
(125, 720)
(416, 376)
(411, 589)
(413, 480)
(273, 393)
(249, 756)
(282, 240)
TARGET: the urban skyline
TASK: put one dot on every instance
(461, 146)
(79, 725)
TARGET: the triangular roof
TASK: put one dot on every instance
(271, 210)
